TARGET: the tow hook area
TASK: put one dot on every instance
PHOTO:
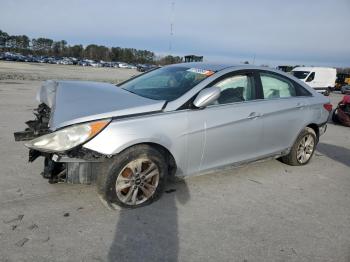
(54, 172)
(79, 166)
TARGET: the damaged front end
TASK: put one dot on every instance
(75, 165)
(37, 127)
(71, 113)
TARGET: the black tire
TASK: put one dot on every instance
(291, 158)
(106, 182)
(335, 118)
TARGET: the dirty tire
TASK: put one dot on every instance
(106, 182)
(291, 158)
(335, 116)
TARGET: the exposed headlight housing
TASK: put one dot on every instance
(67, 138)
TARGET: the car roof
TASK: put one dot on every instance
(205, 66)
(216, 67)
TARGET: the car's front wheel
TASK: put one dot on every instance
(303, 148)
(136, 177)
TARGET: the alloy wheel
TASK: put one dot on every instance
(137, 181)
(305, 148)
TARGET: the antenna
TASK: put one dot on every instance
(171, 26)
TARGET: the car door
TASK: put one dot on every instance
(229, 130)
(282, 111)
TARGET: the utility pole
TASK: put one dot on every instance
(171, 26)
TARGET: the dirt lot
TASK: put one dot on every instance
(265, 211)
(40, 72)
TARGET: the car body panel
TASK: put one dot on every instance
(169, 130)
(195, 136)
(198, 139)
(228, 133)
(81, 101)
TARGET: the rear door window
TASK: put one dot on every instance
(274, 86)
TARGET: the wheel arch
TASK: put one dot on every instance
(315, 127)
(169, 157)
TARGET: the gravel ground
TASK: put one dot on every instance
(265, 211)
(40, 72)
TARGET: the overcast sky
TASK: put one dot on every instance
(310, 32)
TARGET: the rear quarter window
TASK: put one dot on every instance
(286, 87)
(276, 86)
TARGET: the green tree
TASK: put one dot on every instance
(42, 46)
(3, 38)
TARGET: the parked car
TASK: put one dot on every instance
(183, 119)
(145, 67)
(322, 79)
(341, 114)
(345, 89)
(123, 65)
(83, 63)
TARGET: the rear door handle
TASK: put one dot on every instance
(300, 105)
(253, 115)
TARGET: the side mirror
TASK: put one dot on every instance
(207, 96)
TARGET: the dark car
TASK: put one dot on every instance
(345, 89)
(145, 67)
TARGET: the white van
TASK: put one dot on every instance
(320, 78)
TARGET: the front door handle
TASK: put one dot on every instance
(254, 115)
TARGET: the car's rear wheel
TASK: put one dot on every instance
(136, 177)
(303, 148)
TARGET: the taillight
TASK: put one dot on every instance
(328, 107)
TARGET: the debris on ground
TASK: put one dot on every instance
(22, 242)
(255, 181)
(34, 226)
(66, 214)
(18, 218)
(46, 239)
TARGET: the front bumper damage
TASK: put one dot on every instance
(76, 166)
(79, 166)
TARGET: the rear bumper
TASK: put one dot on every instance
(322, 128)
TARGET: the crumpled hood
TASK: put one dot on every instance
(73, 102)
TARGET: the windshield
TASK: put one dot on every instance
(167, 83)
(300, 74)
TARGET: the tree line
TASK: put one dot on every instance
(47, 47)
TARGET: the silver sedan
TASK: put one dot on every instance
(178, 120)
